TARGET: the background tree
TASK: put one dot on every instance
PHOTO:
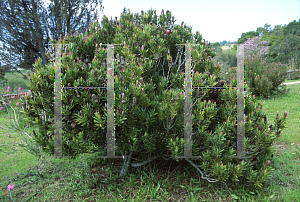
(267, 34)
(264, 30)
(223, 43)
(245, 36)
(292, 28)
(283, 42)
(256, 46)
(26, 24)
(286, 49)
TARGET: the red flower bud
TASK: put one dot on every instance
(217, 159)
(285, 113)
(132, 76)
(268, 163)
(277, 115)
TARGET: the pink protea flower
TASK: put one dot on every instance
(12, 97)
(18, 103)
(1, 108)
(22, 93)
(19, 89)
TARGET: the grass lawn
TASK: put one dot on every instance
(89, 179)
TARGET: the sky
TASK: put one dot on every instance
(216, 20)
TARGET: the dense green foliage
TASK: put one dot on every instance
(149, 100)
(263, 79)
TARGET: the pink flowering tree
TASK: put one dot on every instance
(257, 47)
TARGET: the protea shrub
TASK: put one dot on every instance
(262, 79)
(149, 100)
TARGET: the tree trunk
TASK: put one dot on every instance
(126, 164)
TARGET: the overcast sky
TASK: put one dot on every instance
(216, 20)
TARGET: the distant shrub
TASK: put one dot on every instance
(262, 79)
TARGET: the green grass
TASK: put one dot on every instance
(89, 179)
(226, 47)
(16, 80)
(288, 81)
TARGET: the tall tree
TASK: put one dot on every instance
(28, 25)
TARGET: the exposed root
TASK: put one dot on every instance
(196, 166)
